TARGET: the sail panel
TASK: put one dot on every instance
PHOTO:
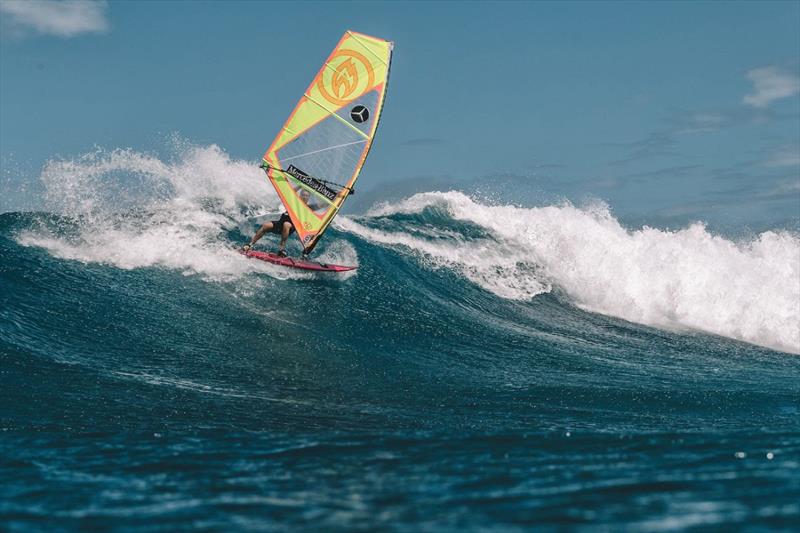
(325, 141)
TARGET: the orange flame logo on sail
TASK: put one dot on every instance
(347, 76)
(345, 79)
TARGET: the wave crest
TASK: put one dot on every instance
(686, 279)
(134, 210)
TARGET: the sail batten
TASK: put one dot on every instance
(327, 137)
(376, 56)
(324, 149)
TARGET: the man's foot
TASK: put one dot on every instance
(246, 247)
(281, 253)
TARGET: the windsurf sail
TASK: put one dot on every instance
(326, 139)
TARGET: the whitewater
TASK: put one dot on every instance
(133, 210)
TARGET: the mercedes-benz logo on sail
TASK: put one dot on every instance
(359, 114)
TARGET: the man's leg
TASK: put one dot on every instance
(260, 233)
(285, 230)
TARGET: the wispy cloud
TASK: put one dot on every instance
(701, 122)
(787, 155)
(550, 166)
(771, 83)
(423, 141)
(66, 18)
(786, 187)
(669, 172)
(776, 188)
(739, 172)
(657, 144)
(680, 123)
(688, 122)
(776, 193)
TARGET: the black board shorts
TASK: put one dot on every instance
(277, 225)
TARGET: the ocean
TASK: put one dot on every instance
(490, 366)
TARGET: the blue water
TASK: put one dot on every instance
(194, 389)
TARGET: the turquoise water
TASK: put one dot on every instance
(153, 379)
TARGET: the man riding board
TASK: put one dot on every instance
(282, 226)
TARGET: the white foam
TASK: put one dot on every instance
(340, 253)
(494, 266)
(134, 210)
(686, 279)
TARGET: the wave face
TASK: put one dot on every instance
(679, 280)
(486, 367)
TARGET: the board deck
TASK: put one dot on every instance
(296, 263)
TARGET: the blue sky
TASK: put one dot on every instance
(667, 111)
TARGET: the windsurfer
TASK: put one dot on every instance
(283, 226)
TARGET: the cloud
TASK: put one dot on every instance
(662, 174)
(784, 156)
(700, 122)
(680, 123)
(549, 166)
(776, 195)
(740, 172)
(771, 84)
(423, 141)
(684, 122)
(66, 18)
(656, 144)
(678, 171)
(789, 187)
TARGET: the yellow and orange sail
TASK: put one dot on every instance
(325, 141)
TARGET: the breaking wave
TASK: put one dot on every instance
(134, 210)
(684, 279)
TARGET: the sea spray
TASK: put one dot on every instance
(135, 210)
(685, 279)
